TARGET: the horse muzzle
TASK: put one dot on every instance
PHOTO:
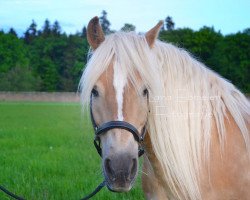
(120, 172)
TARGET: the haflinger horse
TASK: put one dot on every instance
(197, 143)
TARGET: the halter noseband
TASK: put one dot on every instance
(103, 128)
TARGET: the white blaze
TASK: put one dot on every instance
(119, 82)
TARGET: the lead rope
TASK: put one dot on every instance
(12, 195)
(99, 187)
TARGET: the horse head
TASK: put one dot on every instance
(115, 98)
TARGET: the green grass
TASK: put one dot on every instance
(47, 152)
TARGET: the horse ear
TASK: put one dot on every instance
(152, 34)
(95, 34)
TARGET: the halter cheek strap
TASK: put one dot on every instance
(103, 128)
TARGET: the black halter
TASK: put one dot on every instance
(103, 128)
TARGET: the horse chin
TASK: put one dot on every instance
(119, 187)
(126, 187)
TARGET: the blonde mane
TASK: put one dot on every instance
(185, 99)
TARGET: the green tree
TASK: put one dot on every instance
(105, 22)
(46, 57)
(50, 75)
(31, 32)
(128, 27)
(56, 28)
(169, 23)
(12, 32)
(247, 31)
(19, 79)
(204, 43)
(74, 59)
(231, 59)
(12, 52)
(49, 60)
(180, 37)
(84, 32)
(46, 28)
(201, 43)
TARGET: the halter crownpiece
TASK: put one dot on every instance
(103, 128)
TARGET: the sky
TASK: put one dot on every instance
(226, 16)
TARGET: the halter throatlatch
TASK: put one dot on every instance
(103, 128)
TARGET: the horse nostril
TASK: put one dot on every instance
(133, 169)
(120, 169)
(108, 168)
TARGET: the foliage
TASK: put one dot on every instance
(128, 27)
(105, 22)
(56, 60)
(19, 79)
(233, 51)
(12, 52)
(13, 32)
(169, 23)
(30, 33)
(228, 55)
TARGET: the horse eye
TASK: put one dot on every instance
(94, 92)
(145, 92)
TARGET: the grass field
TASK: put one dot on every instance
(47, 153)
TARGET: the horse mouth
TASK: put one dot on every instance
(119, 184)
(118, 189)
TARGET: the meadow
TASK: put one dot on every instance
(47, 153)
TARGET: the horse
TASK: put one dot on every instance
(196, 123)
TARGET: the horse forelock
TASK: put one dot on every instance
(129, 52)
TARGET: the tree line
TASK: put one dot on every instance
(50, 60)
